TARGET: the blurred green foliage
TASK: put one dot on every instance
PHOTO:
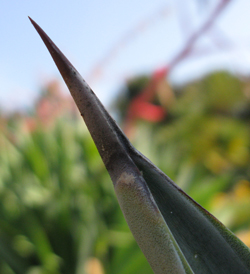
(58, 210)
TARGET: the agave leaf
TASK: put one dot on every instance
(175, 233)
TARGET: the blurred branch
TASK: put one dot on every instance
(125, 39)
(196, 35)
(148, 93)
(217, 36)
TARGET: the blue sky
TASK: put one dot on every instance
(87, 31)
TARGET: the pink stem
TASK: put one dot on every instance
(187, 48)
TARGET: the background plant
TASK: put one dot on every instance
(54, 186)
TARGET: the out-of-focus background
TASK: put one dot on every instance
(176, 77)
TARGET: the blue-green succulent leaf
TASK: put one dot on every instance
(175, 233)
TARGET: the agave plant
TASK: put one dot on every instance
(174, 232)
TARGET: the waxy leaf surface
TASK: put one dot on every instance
(175, 233)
